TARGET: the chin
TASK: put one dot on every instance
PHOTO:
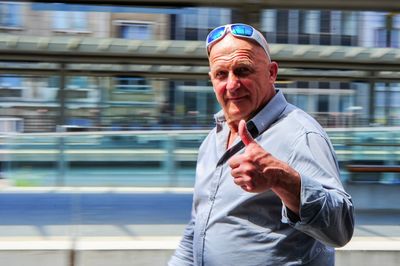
(237, 116)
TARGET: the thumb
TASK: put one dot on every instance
(244, 134)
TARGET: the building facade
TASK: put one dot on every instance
(123, 99)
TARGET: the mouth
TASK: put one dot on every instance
(236, 99)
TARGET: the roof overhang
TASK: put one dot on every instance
(187, 53)
(373, 5)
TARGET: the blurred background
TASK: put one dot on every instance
(103, 106)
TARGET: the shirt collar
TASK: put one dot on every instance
(264, 118)
(271, 112)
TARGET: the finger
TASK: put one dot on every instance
(242, 181)
(244, 133)
(235, 172)
(236, 161)
(248, 186)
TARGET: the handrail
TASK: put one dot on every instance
(363, 168)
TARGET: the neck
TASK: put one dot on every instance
(231, 138)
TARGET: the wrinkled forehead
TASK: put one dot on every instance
(233, 46)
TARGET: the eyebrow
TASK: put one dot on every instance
(234, 62)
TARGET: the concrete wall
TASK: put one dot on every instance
(160, 258)
(367, 258)
(370, 196)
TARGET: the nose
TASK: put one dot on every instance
(233, 82)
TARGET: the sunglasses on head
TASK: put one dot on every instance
(239, 30)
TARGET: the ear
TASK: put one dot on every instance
(211, 79)
(273, 71)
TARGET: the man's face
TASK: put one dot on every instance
(242, 77)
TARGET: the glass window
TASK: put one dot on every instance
(190, 99)
(60, 20)
(77, 82)
(10, 81)
(136, 31)
(282, 21)
(309, 22)
(125, 83)
(302, 102)
(395, 38)
(379, 112)
(323, 103)
(10, 14)
(349, 23)
(380, 98)
(344, 103)
(268, 21)
(325, 20)
(197, 22)
(214, 18)
(68, 20)
(395, 95)
(53, 82)
(380, 37)
(395, 99)
(212, 104)
(190, 20)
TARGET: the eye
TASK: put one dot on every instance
(220, 74)
(242, 71)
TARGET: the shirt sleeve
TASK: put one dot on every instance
(326, 210)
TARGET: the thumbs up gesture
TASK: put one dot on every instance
(256, 170)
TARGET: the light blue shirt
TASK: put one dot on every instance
(230, 226)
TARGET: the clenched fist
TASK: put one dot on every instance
(256, 170)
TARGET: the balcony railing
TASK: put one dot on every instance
(162, 157)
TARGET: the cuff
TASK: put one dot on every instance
(312, 200)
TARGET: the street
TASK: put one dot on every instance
(129, 212)
(93, 213)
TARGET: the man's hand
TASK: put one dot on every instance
(256, 170)
(249, 169)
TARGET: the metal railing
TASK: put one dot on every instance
(160, 157)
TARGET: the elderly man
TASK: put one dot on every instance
(267, 188)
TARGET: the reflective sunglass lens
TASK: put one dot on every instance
(242, 30)
(215, 34)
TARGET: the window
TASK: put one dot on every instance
(323, 103)
(326, 32)
(76, 82)
(10, 86)
(197, 22)
(135, 31)
(380, 94)
(300, 100)
(282, 26)
(70, 21)
(309, 22)
(53, 82)
(349, 23)
(395, 98)
(125, 83)
(325, 20)
(10, 15)
(388, 34)
(268, 20)
(380, 37)
(395, 38)
(10, 81)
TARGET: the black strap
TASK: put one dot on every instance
(251, 127)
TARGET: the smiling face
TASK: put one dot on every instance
(242, 77)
